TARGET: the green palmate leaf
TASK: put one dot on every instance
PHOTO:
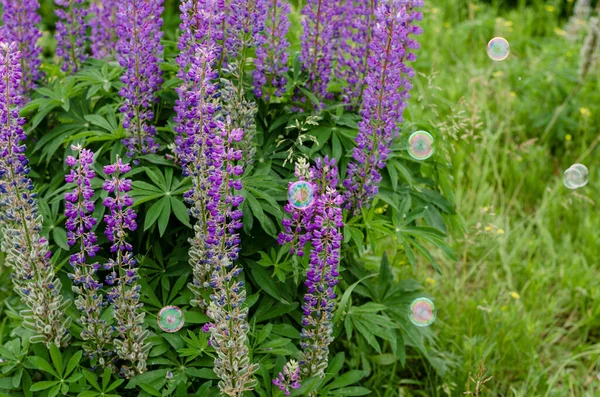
(203, 373)
(346, 297)
(73, 362)
(43, 385)
(155, 211)
(150, 390)
(180, 211)
(39, 363)
(351, 391)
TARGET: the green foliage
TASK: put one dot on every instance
(407, 223)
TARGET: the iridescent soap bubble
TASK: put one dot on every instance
(576, 176)
(498, 49)
(170, 319)
(301, 195)
(422, 312)
(420, 145)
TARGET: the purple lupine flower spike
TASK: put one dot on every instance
(20, 222)
(201, 22)
(227, 309)
(103, 23)
(272, 52)
(318, 44)
(201, 30)
(71, 33)
(355, 33)
(124, 295)
(322, 274)
(289, 378)
(20, 20)
(79, 206)
(386, 92)
(139, 52)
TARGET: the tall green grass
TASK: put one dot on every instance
(524, 296)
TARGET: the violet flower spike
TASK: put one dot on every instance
(227, 309)
(272, 52)
(21, 20)
(71, 33)
(201, 24)
(386, 93)
(139, 52)
(322, 274)
(289, 378)
(79, 206)
(103, 23)
(317, 43)
(129, 340)
(354, 30)
(20, 222)
(195, 123)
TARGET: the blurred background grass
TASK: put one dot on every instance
(524, 297)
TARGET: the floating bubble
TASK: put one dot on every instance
(498, 49)
(422, 312)
(170, 319)
(576, 176)
(301, 195)
(420, 145)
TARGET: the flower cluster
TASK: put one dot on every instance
(226, 308)
(20, 223)
(139, 52)
(322, 275)
(271, 52)
(386, 92)
(354, 41)
(79, 206)
(71, 33)
(209, 152)
(20, 18)
(243, 24)
(103, 23)
(201, 22)
(129, 342)
(296, 227)
(289, 378)
(321, 226)
(318, 44)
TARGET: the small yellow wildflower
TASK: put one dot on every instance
(585, 112)
(514, 295)
(559, 32)
(513, 94)
(500, 231)
(488, 228)
(568, 137)
(508, 23)
(430, 281)
(498, 73)
(550, 8)
(379, 210)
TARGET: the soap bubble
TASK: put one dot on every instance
(422, 312)
(498, 49)
(576, 176)
(420, 145)
(170, 319)
(301, 195)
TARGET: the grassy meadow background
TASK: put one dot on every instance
(524, 297)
